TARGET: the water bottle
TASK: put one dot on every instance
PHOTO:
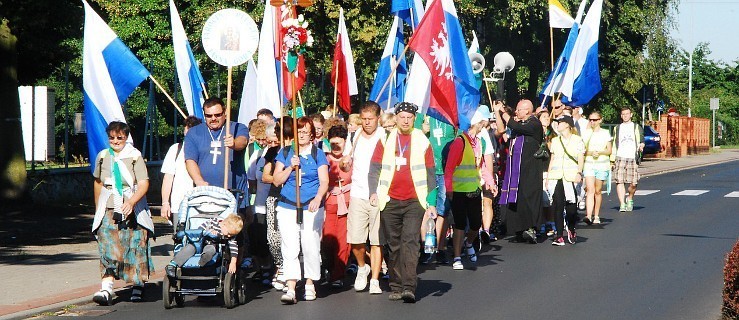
(429, 243)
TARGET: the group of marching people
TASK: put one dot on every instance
(357, 195)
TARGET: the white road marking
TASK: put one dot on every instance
(734, 194)
(645, 192)
(690, 193)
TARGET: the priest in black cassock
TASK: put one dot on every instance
(521, 192)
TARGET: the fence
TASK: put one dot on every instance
(683, 136)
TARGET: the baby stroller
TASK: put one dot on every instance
(213, 279)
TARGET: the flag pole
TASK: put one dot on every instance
(300, 100)
(336, 88)
(392, 70)
(205, 91)
(390, 90)
(168, 96)
(228, 128)
(551, 45)
(298, 205)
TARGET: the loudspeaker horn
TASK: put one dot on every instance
(477, 61)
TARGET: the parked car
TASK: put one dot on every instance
(652, 141)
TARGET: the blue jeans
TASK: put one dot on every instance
(442, 203)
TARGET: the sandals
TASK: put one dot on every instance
(310, 292)
(289, 298)
(136, 293)
(103, 298)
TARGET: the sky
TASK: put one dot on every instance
(712, 21)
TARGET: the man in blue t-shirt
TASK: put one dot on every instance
(206, 144)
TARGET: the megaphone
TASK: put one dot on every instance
(503, 62)
(477, 61)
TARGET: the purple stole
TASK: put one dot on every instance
(509, 192)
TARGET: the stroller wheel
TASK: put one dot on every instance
(169, 296)
(230, 291)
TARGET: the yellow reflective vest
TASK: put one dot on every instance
(561, 165)
(419, 144)
(466, 177)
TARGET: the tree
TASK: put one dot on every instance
(12, 161)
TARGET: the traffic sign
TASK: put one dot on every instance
(714, 104)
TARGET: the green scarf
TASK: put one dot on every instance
(117, 179)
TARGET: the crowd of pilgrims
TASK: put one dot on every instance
(516, 172)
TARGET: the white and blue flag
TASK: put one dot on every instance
(110, 72)
(191, 80)
(394, 91)
(554, 82)
(582, 77)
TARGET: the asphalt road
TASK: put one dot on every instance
(662, 261)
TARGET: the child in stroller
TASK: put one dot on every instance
(204, 263)
(213, 228)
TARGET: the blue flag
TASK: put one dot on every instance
(110, 73)
(394, 90)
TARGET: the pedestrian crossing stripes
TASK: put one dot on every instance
(645, 192)
(690, 193)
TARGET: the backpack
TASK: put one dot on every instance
(313, 152)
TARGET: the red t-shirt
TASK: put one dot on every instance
(402, 186)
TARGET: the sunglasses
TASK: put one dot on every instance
(116, 138)
(213, 115)
(594, 120)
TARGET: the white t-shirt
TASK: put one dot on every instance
(582, 125)
(255, 172)
(174, 164)
(363, 150)
(626, 141)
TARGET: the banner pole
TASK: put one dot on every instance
(228, 128)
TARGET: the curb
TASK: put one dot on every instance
(77, 296)
(692, 166)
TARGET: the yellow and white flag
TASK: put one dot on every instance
(558, 16)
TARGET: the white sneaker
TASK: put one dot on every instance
(310, 292)
(457, 265)
(360, 283)
(375, 287)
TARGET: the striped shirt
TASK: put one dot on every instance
(213, 227)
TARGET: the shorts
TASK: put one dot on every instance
(598, 174)
(362, 222)
(442, 203)
(626, 171)
(467, 210)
